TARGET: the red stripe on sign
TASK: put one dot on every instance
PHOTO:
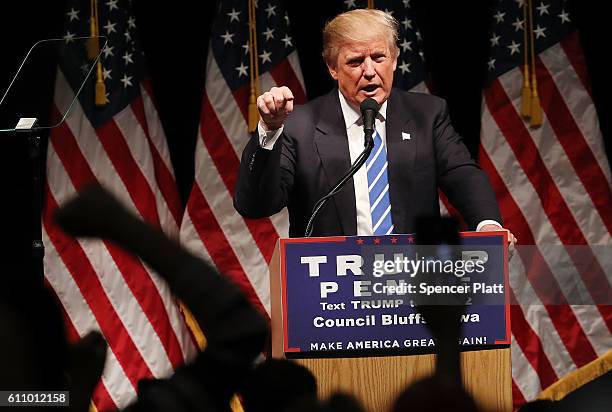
(129, 171)
(87, 281)
(163, 175)
(519, 140)
(135, 275)
(585, 163)
(218, 247)
(571, 46)
(539, 274)
(227, 163)
(284, 75)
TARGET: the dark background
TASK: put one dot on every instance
(175, 39)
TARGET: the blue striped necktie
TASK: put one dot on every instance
(378, 188)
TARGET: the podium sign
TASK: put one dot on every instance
(345, 295)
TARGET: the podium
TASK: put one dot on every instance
(328, 317)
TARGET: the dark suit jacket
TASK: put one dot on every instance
(312, 155)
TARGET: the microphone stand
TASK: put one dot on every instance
(361, 159)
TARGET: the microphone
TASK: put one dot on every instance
(369, 107)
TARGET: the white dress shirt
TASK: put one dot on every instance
(354, 132)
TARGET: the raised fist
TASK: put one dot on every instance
(274, 107)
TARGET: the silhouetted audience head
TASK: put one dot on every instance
(432, 395)
(276, 385)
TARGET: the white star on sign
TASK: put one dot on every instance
(106, 73)
(543, 9)
(110, 27)
(564, 17)
(350, 4)
(245, 46)
(491, 64)
(242, 70)
(520, 3)
(126, 80)
(287, 40)
(406, 4)
(406, 45)
(539, 31)
(233, 15)
(287, 18)
(112, 4)
(518, 24)
(265, 57)
(494, 40)
(270, 10)
(499, 16)
(128, 58)
(404, 67)
(227, 37)
(269, 33)
(73, 14)
(514, 47)
(389, 11)
(131, 22)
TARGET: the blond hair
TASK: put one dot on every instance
(359, 25)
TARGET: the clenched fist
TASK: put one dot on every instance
(274, 107)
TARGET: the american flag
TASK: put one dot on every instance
(238, 247)
(122, 146)
(553, 186)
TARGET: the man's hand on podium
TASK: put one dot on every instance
(493, 228)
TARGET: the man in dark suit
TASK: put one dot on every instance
(294, 161)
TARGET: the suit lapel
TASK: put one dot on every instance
(331, 142)
(401, 157)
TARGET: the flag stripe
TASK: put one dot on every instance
(163, 175)
(227, 164)
(531, 161)
(100, 396)
(81, 321)
(573, 53)
(571, 139)
(234, 227)
(544, 283)
(128, 170)
(134, 274)
(524, 334)
(103, 256)
(76, 261)
(217, 245)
